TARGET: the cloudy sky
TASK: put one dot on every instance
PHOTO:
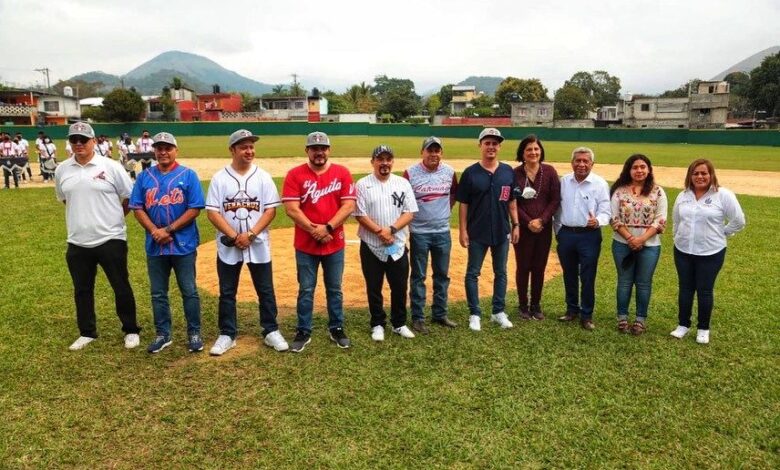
(652, 45)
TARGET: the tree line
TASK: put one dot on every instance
(396, 100)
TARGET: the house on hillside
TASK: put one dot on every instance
(462, 95)
(532, 113)
(33, 107)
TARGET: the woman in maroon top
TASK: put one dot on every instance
(538, 196)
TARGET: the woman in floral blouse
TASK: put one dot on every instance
(638, 217)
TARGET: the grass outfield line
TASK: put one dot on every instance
(540, 395)
(674, 155)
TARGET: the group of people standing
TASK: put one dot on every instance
(498, 206)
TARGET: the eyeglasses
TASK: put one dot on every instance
(78, 139)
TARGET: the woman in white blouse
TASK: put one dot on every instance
(704, 215)
(638, 217)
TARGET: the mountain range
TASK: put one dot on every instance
(748, 64)
(196, 72)
(201, 73)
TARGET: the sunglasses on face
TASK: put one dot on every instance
(78, 139)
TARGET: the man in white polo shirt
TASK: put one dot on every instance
(95, 191)
(385, 206)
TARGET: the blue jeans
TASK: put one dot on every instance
(159, 268)
(578, 253)
(696, 275)
(639, 272)
(439, 245)
(477, 252)
(263, 282)
(333, 271)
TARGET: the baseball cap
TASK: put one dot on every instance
(431, 141)
(380, 150)
(317, 138)
(164, 138)
(81, 128)
(491, 132)
(241, 134)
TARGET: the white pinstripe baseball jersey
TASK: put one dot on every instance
(383, 202)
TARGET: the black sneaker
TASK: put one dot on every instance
(300, 341)
(338, 336)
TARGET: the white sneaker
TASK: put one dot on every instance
(703, 336)
(378, 333)
(275, 340)
(404, 332)
(501, 319)
(132, 340)
(80, 343)
(222, 345)
(474, 323)
(680, 332)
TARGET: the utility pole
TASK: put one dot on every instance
(45, 71)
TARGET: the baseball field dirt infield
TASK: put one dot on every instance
(353, 285)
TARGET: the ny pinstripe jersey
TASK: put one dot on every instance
(383, 202)
(241, 200)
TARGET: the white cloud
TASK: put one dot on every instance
(652, 45)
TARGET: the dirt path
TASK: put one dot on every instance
(353, 285)
(755, 183)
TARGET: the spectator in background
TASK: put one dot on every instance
(144, 145)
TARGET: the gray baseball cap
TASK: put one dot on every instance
(164, 138)
(241, 134)
(490, 132)
(81, 128)
(317, 138)
(380, 150)
(431, 141)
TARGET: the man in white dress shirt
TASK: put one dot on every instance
(584, 210)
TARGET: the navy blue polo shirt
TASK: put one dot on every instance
(488, 195)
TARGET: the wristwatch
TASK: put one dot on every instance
(252, 235)
(393, 230)
(515, 224)
(329, 228)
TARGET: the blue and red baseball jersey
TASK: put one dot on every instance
(164, 198)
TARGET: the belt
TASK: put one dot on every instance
(578, 229)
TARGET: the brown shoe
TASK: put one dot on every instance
(444, 321)
(638, 328)
(525, 314)
(536, 312)
(587, 325)
(623, 326)
(568, 317)
(420, 327)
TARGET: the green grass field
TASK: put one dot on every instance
(678, 155)
(540, 395)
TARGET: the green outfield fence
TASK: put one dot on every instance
(665, 136)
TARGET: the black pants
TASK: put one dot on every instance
(696, 275)
(397, 272)
(7, 173)
(82, 264)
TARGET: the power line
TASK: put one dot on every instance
(45, 71)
